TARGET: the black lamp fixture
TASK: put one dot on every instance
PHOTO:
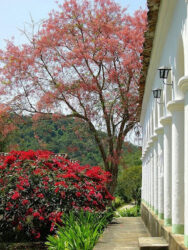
(163, 74)
(157, 94)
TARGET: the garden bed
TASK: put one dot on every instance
(23, 246)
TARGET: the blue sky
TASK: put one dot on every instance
(14, 14)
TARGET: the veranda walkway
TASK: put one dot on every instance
(123, 234)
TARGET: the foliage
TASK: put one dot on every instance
(60, 136)
(131, 157)
(130, 212)
(80, 231)
(84, 62)
(6, 126)
(117, 202)
(68, 136)
(129, 184)
(37, 187)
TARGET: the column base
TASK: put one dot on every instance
(161, 216)
(178, 229)
(186, 240)
(168, 222)
(157, 229)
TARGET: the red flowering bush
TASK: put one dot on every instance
(37, 187)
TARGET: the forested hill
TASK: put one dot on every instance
(65, 136)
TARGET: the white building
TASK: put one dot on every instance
(165, 121)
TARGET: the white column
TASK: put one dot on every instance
(160, 132)
(151, 176)
(143, 162)
(150, 155)
(167, 150)
(146, 195)
(155, 156)
(152, 159)
(147, 182)
(183, 83)
(177, 110)
(152, 172)
(142, 190)
(144, 179)
(152, 179)
(144, 183)
(149, 190)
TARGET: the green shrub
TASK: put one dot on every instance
(129, 184)
(118, 202)
(37, 187)
(80, 231)
(130, 212)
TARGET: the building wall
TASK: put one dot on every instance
(165, 121)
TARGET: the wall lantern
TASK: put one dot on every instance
(137, 130)
(163, 74)
(157, 93)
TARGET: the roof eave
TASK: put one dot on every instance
(152, 18)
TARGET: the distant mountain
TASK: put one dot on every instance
(65, 136)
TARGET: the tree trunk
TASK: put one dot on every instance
(111, 186)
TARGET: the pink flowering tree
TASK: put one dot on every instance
(85, 63)
(6, 126)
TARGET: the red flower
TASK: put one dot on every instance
(87, 209)
(78, 194)
(24, 202)
(38, 171)
(109, 196)
(37, 236)
(41, 218)
(19, 187)
(19, 227)
(40, 195)
(76, 185)
(33, 231)
(52, 227)
(95, 203)
(99, 196)
(9, 204)
(15, 196)
(10, 159)
(29, 211)
(29, 155)
(73, 203)
(36, 214)
(61, 183)
(24, 181)
(63, 194)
